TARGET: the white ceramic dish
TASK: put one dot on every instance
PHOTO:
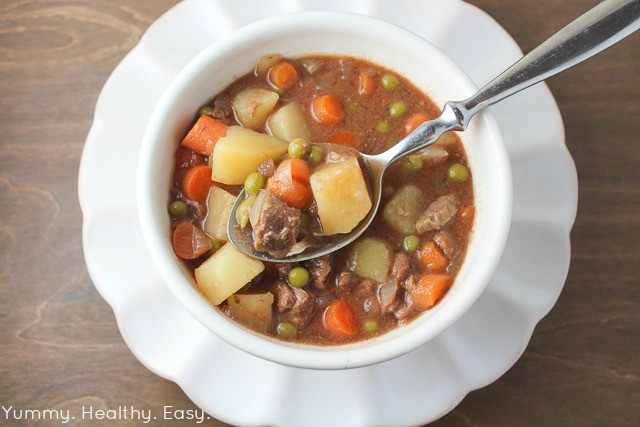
(325, 33)
(244, 390)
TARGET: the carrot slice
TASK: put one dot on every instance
(283, 75)
(344, 138)
(413, 121)
(430, 257)
(186, 158)
(340, 319)
(298, 169)
(429, 289)
(327, 109)
(189, 242)
(197, 182)
(293, 192)
(204, 134)
(366, 85)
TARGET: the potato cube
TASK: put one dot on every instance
(370, 258)
(219, 206)
(225, 272)
(404, 208)
(240, 152)
(289, 122)
(341, 194)
(253, 106)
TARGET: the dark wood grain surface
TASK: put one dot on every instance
(59, 343)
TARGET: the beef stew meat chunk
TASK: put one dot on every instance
(276, 227)
(268, 132)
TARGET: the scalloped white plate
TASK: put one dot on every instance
(413, 389)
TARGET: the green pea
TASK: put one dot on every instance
(353, 106)
(215, 245)
(458, 172)
(411, 243)
(413, 163)
(370, 325)
(389, 82)
(298, 148)
(316, 155)
(254, 183)
(298, 277)
(242, 214)
(178, 209)
(305, 219)
(383, 126)
(287, 330)
(398, 109)
(205, 111)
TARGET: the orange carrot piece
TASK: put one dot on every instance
(298, 169)
(366, 85)
(429, 289)
(467, 213)
(340, 319)
(344, 138)
(204, 134)
(283, 75)
(413, 121)
(197, 182)
(290, 182)
(189, 242)
(293, 192)
(430, 257)
(327, 109)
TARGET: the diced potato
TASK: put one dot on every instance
(240, 152)
(219, 206)
(341, 194)
(370, 258)
(289, 122)
(253, 310)
(404, 208)
(253, 106)
(266, 62)
(225, 272)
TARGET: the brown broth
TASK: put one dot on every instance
(338, 76)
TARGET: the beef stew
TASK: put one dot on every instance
(267, 132)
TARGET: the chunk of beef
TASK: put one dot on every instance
(319, 269)
(302, 310)
(437, 214)
(366, 291)
(346, 280)
(401, 266)
(276, 228)
(222, 111)
(406, 308)
(284, 296)
(390, 292)
(365, 288)
(446, 242)
(267, 168)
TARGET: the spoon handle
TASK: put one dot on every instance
(591, 33)
(597, 29)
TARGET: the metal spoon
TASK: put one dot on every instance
(604, 25)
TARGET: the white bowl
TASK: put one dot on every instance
(341, 34)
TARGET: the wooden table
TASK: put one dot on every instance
(59, 343)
